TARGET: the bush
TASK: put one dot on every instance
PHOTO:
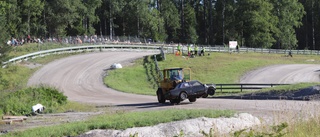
(20, 102)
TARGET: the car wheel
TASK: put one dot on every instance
(205, 95)
(192, 99)
(160, 96)
(211, 91)
(183, 95)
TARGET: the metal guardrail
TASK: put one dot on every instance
(245, 86)
(256, 50)
(166, 48)
(80, 49)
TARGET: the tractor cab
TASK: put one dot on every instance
(176, 74)
(172, 77)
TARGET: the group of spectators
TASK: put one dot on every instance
(78, 40)
(84, 39)
(94, 39)
(191, 52)
(20, 41)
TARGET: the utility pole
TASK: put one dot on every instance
(205, 21)
(182, 20)
(110, 20)
(223, 21)
(312, 18)
(211, 33)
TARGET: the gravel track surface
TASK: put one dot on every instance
(80, 77)
(284, 74)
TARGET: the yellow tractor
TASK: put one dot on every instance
(176, 85)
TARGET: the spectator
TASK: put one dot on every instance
(237, 48)
(290, 54)
(79, 41)
(196, 50)
(189, 50)
(28, 39)
(13, 41)
(203, 51)
(179, 48)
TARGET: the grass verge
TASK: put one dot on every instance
(20, 102)
(34, 47)
(14, 77)
(309, 128)
(122, 120)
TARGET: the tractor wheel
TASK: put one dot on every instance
(160, 96)
(192, 99)
(175, 101)
(205, 95)
(183, 95)
(178, 101)
(172, 101)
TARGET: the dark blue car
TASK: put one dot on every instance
(190, 90)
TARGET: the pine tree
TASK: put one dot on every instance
(4, 35)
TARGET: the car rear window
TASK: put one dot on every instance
(195, 83)
(183, 85)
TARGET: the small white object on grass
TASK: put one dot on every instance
(38, 108)
(116, 66)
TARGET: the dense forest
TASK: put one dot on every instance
(285, 24)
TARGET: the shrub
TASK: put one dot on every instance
(20, 102)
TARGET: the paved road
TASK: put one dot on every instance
(80, 78)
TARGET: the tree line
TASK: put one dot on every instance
(282, 24)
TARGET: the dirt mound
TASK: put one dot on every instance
(189, 128)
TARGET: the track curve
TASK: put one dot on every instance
(284, 74)
(80, 77)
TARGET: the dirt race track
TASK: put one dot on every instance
(80, 77)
